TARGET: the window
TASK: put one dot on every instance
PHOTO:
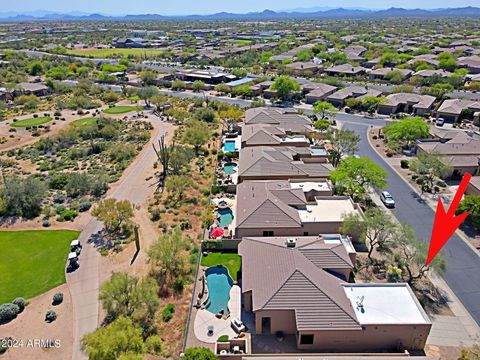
(268, 233)
(305, 233)
(306, 339)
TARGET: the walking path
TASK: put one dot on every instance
(84, 282)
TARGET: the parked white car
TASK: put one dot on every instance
(387, 199)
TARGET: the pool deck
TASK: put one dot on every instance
(204, 318)
(232, 204)
(238, 142)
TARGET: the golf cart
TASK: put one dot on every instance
(73, 261)
(75, 246)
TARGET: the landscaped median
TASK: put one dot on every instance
(33, 121)
(114, 110)
(32, 262)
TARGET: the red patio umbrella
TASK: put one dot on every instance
(217, 232)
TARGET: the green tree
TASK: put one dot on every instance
(168, 258)
(413, 255)
(394, 76)
(196, 134)
(146, 93)
(148, 77)
(353, 175)
(178, 85)
(471, 203)
(322, 124)
(199, 353)
(342, 142)
(176, 185)
(121, 337)
(205, 114)
(447, 61)
(304, 55)
(285, 86)
(375, 229)
(222, 89)
(115, 215)
(23, 197)
(35, 68)
(129, 296)
(428, 167)
(406, 131)
(324, 109)
(198, 85)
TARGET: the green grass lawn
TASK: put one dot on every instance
(108, 53)
(231, 261)
(82, 122)
(31, 121)
(32, 262)
(134, 98)
(121, 109)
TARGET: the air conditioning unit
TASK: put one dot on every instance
(291, 243)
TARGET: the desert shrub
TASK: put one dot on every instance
(404, 164)
(167, 312)
(178, 285)
(20, 302)
(394, 274)
(155, 214)
(84, 206)
(46, 223)
(57, 298)
(223, 338)
(8, 312)
(155, 345)
(50, 316)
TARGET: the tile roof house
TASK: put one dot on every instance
(271, 135)
(429, 73)
(287, 119)
(451, 109)
(305, 295)
(406, 102)
(379, 74)
(338, 98)
(345, 70)
(282, 163)
(472, 63)
(459, 149)
(304, 67)
(283, 208)
(430, 59)
(353, 52)
(317, 92)
(27, 88)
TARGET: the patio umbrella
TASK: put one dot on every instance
(217, 232)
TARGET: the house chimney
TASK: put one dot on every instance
(291, 243)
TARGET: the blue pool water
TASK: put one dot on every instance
(229, 146)
(229, 168)
(226, 217)
(219, 284)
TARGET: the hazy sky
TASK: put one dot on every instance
(210, 6)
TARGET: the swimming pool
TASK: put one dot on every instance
(226, 217)
(229, 168)
(229, 146)
(219, 284)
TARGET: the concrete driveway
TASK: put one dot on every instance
(84, 282)
(463, 264)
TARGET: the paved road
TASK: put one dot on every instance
(463, 267)
(84, 282)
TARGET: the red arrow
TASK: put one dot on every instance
(445, 224)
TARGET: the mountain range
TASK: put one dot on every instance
(264, 15)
